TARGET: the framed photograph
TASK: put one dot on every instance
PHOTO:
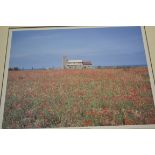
(65, 77)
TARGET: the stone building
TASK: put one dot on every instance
(76, 64)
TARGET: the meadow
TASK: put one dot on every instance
(78, 98)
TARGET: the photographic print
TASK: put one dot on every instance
(78, 77)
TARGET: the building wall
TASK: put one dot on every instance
(87, 66)
(76, 65)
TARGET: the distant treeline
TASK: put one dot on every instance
(14, 69)
(123, 66)
(17, 68)
(95, 67)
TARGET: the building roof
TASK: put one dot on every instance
(71, 64)
(71, 61)
(80, 61)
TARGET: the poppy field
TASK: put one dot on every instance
(78, 98)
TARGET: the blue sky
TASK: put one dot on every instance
(111, 46)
